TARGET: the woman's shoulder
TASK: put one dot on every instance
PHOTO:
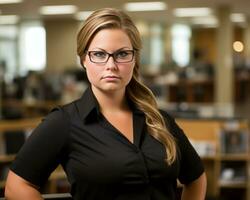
(65, 111)
(169, 119)
(56, 118)
(60, 115)
(171, 124)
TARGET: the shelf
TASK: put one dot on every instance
(19, 124)
(209, 158)
(233, 184)
(7, 158)
(234, 157)
(238, 158)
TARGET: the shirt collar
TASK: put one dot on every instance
(89, 110)
(87, 106)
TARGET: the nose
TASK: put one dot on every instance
(111, 64)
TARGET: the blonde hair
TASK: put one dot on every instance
(143, 98)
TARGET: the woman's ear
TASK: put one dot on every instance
(82, 64)
(83, 61)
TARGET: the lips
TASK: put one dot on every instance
(110, 77)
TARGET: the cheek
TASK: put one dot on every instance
(128, 71)
(92, 72)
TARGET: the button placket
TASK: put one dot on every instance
(145, 172)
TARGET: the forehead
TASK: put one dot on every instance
(111, 39)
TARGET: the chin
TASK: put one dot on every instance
(112, 88)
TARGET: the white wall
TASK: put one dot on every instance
(61, 44)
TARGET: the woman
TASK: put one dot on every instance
(113, 143)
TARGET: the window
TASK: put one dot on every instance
(181, 45)
(8, 51)
(32, 47)
(156, 46)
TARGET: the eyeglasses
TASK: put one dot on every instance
(120, 56)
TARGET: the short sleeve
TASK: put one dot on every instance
(191, 166)
(43, 150)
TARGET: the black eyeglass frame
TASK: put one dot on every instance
(113, 55)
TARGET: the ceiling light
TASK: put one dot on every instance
(210, 20)
(10, 1)
(192, 12)
(237, 17)
(145, 6)
(238, 46)
(58, 10)
(83, 15)
(9, 19)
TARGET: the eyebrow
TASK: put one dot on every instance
(101, 49)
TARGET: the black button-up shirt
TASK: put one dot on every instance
(100, 162)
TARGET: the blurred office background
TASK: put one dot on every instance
(195, 58)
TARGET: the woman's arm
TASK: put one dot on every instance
(195, 190)
(17, 188)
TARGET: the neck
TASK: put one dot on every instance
(111, 101)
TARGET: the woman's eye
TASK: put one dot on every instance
(100, 54)
(122, 54)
